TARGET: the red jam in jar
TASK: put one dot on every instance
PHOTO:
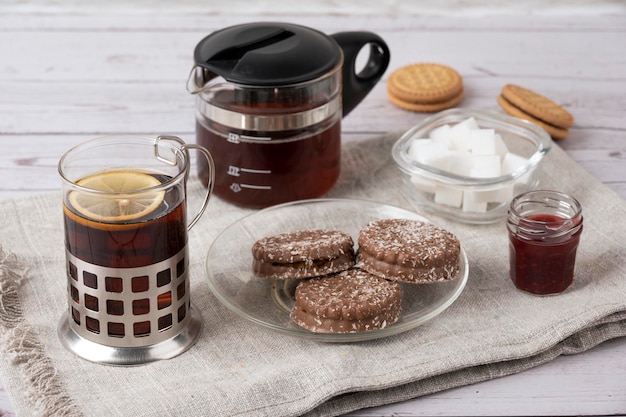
(544, 231)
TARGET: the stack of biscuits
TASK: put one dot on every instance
(425, 87)
(537, 109)
(347, 291)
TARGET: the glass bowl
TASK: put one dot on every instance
(471, 199)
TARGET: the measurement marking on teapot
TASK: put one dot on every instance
(236, 171)
(256, 187)
(236, 138)
(236, 187)
(256, 171)
(255, 138)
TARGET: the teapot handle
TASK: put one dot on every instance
(357, 86)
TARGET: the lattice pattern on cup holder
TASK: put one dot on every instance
(129, 307)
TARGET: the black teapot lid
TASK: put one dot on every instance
(267, 53)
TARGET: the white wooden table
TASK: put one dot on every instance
(75, 70)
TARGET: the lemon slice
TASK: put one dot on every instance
(122, 200)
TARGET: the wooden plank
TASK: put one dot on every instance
(132, 56)
(46, 15)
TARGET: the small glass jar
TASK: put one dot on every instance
(544, 231)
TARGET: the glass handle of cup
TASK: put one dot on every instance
(211, 171)
(184, 147)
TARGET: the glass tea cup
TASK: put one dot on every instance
(127, 258)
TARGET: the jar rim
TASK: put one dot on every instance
(544, 214)
(547, 200)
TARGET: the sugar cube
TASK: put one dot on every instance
(459, 162)
(470, 123)
(485, 166)
(496, 194)
(427, 152)
(441, 134)
(501, 148)
(460, 133)
(482, 142)
(416, 147)
(470, 205)
(448, 196)
(513, 162)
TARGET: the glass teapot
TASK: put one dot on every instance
(270, 99)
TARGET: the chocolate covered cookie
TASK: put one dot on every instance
(408, 250)
(302, 254)
(348, 302)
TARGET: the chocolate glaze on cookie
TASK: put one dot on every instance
(409, 251)
(349, 302)
(302, 254)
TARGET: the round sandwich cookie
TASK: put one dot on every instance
(348, 302)
(425, 87)
(408, 250)
(526, 104)
(302, 254)
(425, 107)
(554, 131)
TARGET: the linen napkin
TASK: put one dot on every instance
(238, 368)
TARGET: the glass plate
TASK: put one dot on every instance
(268, 303)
